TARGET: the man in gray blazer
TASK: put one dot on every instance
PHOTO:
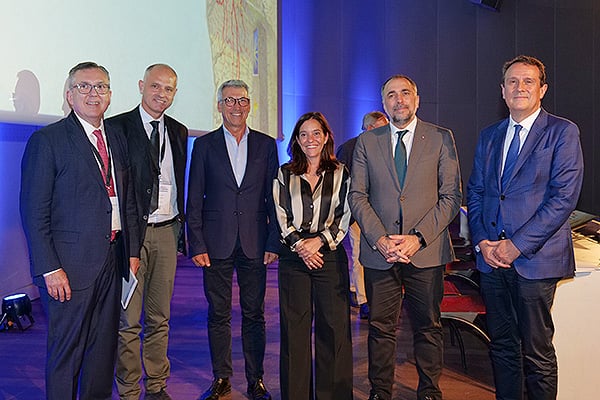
(405, 191)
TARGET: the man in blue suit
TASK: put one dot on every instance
(232, 225)
(79, 217)
(525, 183)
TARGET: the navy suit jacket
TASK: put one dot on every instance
(144, 169)
(218, 211)
(538, 198)
(65, 208)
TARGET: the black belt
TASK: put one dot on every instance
(162, 223)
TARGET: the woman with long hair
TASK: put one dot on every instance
(310, 195)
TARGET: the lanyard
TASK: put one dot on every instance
(107, 172)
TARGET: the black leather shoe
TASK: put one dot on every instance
(375, 397)
(220, 387)
(258, 390)
(162, 395)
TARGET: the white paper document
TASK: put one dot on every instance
(128, 289)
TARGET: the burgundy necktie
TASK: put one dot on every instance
(105, 169)
(105, 165)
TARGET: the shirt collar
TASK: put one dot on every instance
(246, 131)
(410, 127)
(147, 118)
(527, 123)
(88, 128)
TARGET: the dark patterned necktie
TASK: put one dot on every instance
(400, 157)
(155, 141)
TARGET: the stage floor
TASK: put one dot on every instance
(22, 354)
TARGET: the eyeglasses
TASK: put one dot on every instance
(230, 101)
(86, 88)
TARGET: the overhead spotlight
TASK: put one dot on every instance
(14, 309)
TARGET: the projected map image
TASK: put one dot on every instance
(205, 41)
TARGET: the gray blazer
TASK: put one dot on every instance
(429, 201)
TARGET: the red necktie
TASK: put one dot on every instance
(105, 162)
(105, 169)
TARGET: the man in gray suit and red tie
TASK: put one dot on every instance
(405, 191)
(79, 216)
(526, 179)
(232, 226)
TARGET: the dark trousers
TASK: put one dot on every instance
(521, 329)
(252, 281)
(423, 289)
(82, 337)
(321, 294)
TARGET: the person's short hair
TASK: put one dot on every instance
(85, 65)
(529, 60)
(371, 117)
(151, 67)
(237, 83)
(399, 76)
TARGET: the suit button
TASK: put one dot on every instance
(149, 191)
(145, 218)
(235, 213)
(240, 213)
(107, 237)
(402, 198)
(493, 224)
(502, 197)
(311, 206)
(397, 222)
(240, 192)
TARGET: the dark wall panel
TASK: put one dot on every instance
(342, 52)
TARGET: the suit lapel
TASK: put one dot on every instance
(533, 137)
(219, 148)
(81, 142)
(139, 143)
(497, 149)
(420, 139)
(176, 145)
(384, 142)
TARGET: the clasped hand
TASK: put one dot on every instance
(499, 253)
(308, 251)
(398, 248)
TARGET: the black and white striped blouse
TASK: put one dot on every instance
(302, 213)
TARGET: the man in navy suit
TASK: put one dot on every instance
(232, 225)
(158, 153)
(78, 213)
(525, 183)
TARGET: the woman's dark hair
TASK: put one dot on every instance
(298, 164)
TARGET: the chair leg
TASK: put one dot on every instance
(455, 332)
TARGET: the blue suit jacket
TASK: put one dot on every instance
(65, 208)
(218, 210)
(539, 197)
